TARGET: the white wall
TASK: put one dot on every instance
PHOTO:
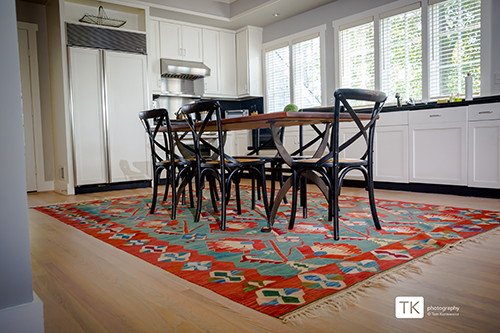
(16, 290)
(345, 8)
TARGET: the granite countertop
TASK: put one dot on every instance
(435, 105)
(417, 106)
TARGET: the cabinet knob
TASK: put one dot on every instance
(485, 112)
(435, 115)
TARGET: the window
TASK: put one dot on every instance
(454, 46)
(277, 78)
(296, 60)
(419, 49)
(357, 61)
(401, 53)
(307, 72)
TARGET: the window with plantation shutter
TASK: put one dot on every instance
(357, 60)
(277, 78)
(401, 53)
(454, 46)
(307, 72)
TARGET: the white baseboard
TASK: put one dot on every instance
(24, 318)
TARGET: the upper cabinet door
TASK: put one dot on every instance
(154, 56)
(180, 42)
(170, 41)
(192, 44)
(211, 59)
(248, 61)
(242, 62)
(228, 63)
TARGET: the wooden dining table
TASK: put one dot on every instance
(274, 121)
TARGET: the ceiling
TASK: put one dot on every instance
(229, 14)
(240, 12)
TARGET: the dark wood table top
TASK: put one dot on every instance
(280, 119)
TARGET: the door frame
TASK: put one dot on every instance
(31, 28)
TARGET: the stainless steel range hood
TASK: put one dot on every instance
(187, 70)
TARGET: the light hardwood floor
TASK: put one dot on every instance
(89, 286)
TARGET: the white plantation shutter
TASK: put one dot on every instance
(401, 53)
(277, 78)
(454, 46)
(357, 61)
(307, 71)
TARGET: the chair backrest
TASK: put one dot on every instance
(153, 121)
(213, 117)
(367, 131)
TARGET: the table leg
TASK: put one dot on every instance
(276, 205)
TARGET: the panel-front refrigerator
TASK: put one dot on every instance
(108, 90)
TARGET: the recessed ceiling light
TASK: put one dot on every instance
(276, 14)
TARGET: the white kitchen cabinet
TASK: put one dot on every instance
(108, 139)
(236, 143)
(484, 145)
(181, 42)
(227, 69)
(438, 146)
(390, 162)
(219, 54)
(154, 56)
(211, 58)
(249, 61)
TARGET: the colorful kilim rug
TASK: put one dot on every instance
(284, 273)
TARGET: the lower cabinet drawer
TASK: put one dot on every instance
(438, 115)
(489, 111)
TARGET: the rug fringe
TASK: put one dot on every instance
(350, 296)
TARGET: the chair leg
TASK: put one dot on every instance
(253, 190)
(373, 208)
(199, 194)
(258, 192)
(167, 184)
(238, 198)
(335, 205)
(282, 181)
(211, 182)
(294, 200)
(223, 187)
(174, 199)
(303, 196)
(190, 184)
(155, 191)
(273, 188)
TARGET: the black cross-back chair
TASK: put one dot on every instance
(226, 169)
(164, 157)
(331, 168)
(276, 162)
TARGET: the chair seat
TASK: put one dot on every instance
(177, 162)
(243, 161)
